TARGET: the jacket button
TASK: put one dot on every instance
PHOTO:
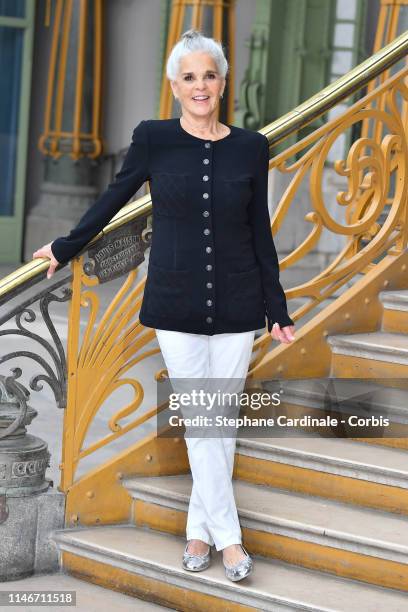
(206, 231)
(209, 302)
(205, 177)
(209, 285)
(205, 196)
(206, 161)
(208, 249)
(207, 145)
(208, 267)
(209, 319)
(206, 213)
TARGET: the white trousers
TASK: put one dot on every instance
(218, 359)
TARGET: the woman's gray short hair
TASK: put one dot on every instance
(193, 40)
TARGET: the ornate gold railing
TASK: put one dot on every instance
(375, 176)
(98, 365)
(100, 357)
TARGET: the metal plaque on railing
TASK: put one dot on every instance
(118, 252)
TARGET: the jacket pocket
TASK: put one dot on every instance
(245, 295)
(168, 292)
(238, 191)
(169, 194)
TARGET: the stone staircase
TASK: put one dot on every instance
(147, 564)
(383, 353)
(325, 518)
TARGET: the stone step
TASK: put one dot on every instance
(148, 563)
(383, 346)
(395, 300)
(362, 395)
(361, 543)
(316, 397)
(395, 305)
(370, 355)
(341, 469)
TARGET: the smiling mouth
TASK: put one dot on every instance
(201, 98)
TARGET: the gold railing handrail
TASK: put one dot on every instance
(276, 131)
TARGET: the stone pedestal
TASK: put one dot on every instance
(23, 505)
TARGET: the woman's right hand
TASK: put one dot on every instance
(45, 251)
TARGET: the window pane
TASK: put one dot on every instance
(11, 46)
(12, 8)
(346, 9)
(402, 20)
(343, 35)
(207, 20)
(342, 62)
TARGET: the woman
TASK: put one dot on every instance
(213, 273)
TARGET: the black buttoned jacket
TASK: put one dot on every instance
(213, 266)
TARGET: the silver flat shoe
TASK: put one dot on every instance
(196, 563)
(240, 570)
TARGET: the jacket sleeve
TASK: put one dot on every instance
(133, 173)
(274, 295)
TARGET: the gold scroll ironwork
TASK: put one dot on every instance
(98, 365)
(373, 204)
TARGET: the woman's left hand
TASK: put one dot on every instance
(285, 334)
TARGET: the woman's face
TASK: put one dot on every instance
(198, 85)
